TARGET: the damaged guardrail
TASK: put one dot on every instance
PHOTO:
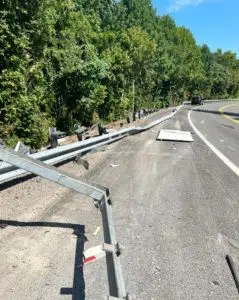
(17, 164)
(99, 194)
(67, 152)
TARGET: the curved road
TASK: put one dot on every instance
(176, 211)
(219, 124)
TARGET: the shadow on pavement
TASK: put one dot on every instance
(78, 289)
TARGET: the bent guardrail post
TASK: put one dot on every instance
(97, 193)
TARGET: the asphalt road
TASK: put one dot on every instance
(176, 212)
(219, 123)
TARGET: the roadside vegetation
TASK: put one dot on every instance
(64, 62)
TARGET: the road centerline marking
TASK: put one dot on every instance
(225, 159)
(221, 110)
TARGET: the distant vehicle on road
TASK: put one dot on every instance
(197, 100)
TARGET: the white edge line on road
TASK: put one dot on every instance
(226, 160)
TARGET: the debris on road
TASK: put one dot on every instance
(113, 165)
(215, 282)
(175, 135)
(96, 231)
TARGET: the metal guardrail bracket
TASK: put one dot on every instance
(117, 248)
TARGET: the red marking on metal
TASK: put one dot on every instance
(89, 259)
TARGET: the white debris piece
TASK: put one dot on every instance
(175, 135)
(113, 165)
(96, 231)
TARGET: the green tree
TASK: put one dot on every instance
(69, 61)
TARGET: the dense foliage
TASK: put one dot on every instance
(76, 61)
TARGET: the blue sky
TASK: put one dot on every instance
(214, 22)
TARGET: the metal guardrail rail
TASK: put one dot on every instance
(98, 193)
(63, 153)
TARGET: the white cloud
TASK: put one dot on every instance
(179, 4)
